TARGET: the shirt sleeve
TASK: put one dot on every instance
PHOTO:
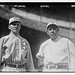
(1, 43)
(71, 50)
(29, 64)
(40, 56)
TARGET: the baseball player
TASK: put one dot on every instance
(56, 54)
(15, 52)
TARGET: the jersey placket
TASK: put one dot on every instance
(16, 52)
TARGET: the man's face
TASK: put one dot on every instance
(53, 33)
(15, 27)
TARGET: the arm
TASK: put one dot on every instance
(1, 43)
(40, 57)
(29, 64)
(71, 50)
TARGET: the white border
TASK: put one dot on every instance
(37, 0)
(38, 73)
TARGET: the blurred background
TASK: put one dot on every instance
(34, 17)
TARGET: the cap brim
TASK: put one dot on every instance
(15, 22)
(52, 26)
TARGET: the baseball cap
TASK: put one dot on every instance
(52, 25)
(14, 19)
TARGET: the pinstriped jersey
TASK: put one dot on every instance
(15, 49)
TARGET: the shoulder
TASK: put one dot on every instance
(23, 40)
(67, 40)
(45, 42)
(63, 38)
(4, 37)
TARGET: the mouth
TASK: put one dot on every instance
(52, 34)
(14, 29)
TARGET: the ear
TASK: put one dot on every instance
(19, 27)
(9, 27)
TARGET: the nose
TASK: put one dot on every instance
(15, 26)
(52, 31)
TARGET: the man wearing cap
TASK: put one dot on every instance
(57, 54)
(15, 52)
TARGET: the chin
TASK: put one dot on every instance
(14, 31)
(53, 38)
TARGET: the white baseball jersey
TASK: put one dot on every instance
(62, 51)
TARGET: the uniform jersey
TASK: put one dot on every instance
(62, 51)
(16, 50)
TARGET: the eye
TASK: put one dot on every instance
(49, 28)
(13, 24)
(54, 28)
(16, 24)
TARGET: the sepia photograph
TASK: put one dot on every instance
(37, 37)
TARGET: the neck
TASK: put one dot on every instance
(16, 34)
(57, 39)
